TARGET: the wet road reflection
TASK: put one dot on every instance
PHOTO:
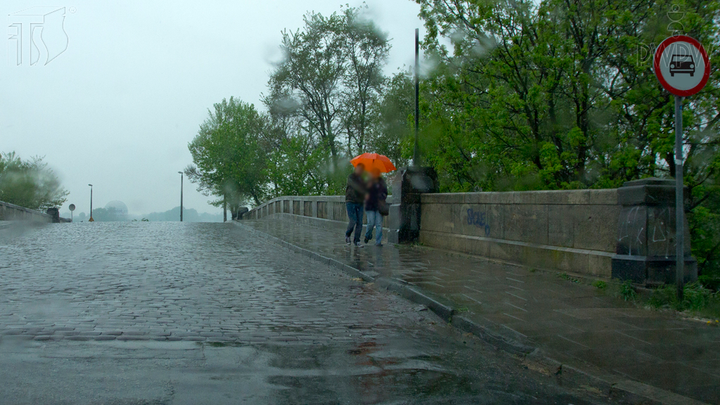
(174, 313)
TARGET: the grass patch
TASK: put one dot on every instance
(697, 299)
(599, 284)
(627, 291)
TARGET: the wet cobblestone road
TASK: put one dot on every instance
(165, 281)
(331, 339)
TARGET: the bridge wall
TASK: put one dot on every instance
(573, 231)
(12, 212)
(320, 210)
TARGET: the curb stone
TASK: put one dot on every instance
(615, 388)
(444, 311)
(308, 253)
(487, 334)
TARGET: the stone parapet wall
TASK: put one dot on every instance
(626, 233)
(328, 209)
(573, 231)
(12, 212)
(324, 207)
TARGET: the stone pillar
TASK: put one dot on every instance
(407, 186)
(54, 214)
(645, 249)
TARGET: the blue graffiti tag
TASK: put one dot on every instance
(479, 219)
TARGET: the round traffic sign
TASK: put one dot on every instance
(681, 65)
(71, 207)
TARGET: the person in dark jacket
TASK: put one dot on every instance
(377, 192)
(355, 193)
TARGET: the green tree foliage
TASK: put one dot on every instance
(522, 95)
(29, 183)
(393, 120)
(228, 161)
(556, 94)
(323, 98)
(561, 94)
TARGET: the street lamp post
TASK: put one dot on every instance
(181, 196)
(91, 218)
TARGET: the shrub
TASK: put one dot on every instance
(696, 298)
(627, 291)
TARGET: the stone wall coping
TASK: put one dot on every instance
(328, 198)
(19, 208)
(539, 197)
(560, 197)
(543, 197)
(300, 198)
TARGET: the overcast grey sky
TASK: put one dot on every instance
(118, 107)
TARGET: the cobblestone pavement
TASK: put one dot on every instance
(575, 323)
(200, 282)
(172, 313)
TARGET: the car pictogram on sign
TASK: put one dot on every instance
(682, 64)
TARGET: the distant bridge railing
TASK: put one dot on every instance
(329, 210)
(12, 212)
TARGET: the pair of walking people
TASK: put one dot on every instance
(370, 196)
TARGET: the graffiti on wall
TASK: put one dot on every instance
(479, 219)
(632, 232)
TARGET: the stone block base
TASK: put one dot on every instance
(651, 271)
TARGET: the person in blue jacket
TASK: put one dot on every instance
(377, 194)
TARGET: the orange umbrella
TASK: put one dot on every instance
(374, 161)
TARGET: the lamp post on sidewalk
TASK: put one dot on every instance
(411, 181)
(91, 190)
(181, 196)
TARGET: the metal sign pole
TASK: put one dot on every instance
(679, 200)
(682, 67)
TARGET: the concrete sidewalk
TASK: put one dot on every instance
(579, 329)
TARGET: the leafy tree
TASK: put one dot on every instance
(561, 94)
(311, 75)
(550, 94)
(29, 183)
(322, 101)
(365, 49)
(227, 159)
(392, 120)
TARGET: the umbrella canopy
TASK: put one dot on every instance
(374, 161)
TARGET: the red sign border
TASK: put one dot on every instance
(658, 73)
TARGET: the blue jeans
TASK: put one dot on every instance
(374, 220)
(355, 216)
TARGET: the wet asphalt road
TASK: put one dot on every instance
(171, 313)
